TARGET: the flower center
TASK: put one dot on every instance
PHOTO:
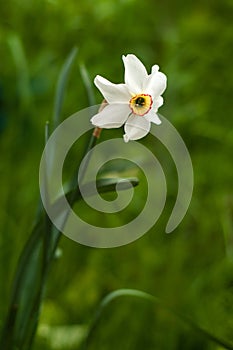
(140, 104)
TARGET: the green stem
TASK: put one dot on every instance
(93, 140)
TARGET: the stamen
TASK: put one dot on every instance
(141, 104)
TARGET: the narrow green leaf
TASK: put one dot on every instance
(59, 98)
(109, 185)
(19, 57)
(102, 185)
(61, 86)
(25, 289)
(31, 273)
(40, 207)
(88, 85)
(47, 230)
(148, 297)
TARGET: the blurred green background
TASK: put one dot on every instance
(190, 269)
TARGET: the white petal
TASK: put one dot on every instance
(112, 116)
(155, 84)
(136, 127)
(153, 117)
(113, 93)
(135, 74)
(157, 102)
(155, 69)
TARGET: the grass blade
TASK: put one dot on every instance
(148, 297)
(88, 85)
(61, 86)
(31, 273)
(20, 60)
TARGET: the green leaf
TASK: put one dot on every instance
(25, 292)
(61, 86)
(31, 273)
(24, 89)
(88, 85)
(148, 297)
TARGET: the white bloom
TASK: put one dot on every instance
(134, 103)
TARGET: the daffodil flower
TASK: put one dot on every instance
(134, 103)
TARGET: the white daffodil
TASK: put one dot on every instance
(134, 103)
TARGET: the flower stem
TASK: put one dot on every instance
(93, 140)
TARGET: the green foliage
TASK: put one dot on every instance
(191, 269)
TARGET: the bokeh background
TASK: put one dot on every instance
(191, 269)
